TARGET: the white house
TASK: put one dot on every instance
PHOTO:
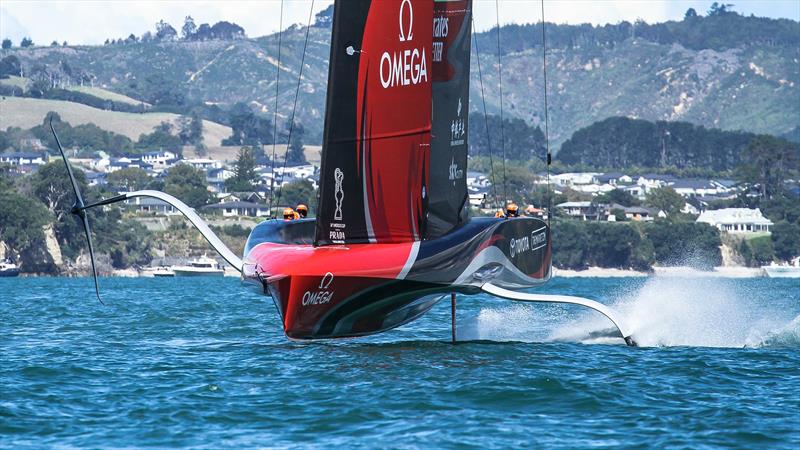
(700, 188)
(23, 158)
(159, 158)
(573, 179)
(238, 208)
(152, 205)
(737, 220)
(477, 180)
(203, 163)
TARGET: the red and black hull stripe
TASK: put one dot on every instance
(360, 289)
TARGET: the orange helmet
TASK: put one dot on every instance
(512, 209)
(288, 214)
(302, 210)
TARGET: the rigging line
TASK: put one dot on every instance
(500, 79)
(294, 107)
(485, 117)
(546, 123)
(275, 112)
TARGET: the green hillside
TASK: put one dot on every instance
(721, 71)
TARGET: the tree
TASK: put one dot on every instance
(666, 199)
(619, 196)
(295, 153)
(690, 14)
(51, 185)
(161, 138)
(298, 191)
(9, 65)
(165, 31)
(6, 44)
(757, 251)
(189, 28)
(54, 44)
(190, 129)
(244, 172)
(786, 240)
(569, 251)
(21, 221)
(719, 9)
(247, 128)
(227, 31)
(203, 32)
(26, 42)
(188, 184)
(129, 179)
(768, 162)
(683, 243)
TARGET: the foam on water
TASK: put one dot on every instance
(665, 311)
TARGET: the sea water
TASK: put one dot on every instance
(202, 362)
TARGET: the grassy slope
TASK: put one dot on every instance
(16, 81)
(107, 95)
(29, 112)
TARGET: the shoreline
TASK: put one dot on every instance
(678, 271)
(591, 272)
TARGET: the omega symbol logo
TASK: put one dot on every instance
(403, 35)
(326, 281)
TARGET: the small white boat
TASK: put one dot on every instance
(8, 269)
(790, 270)
(202, 266)
(161, 271)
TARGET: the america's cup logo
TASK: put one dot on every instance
(406, 31)
(338, 194)
(408, 66)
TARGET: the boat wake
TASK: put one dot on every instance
(664, 312)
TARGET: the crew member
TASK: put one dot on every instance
(289, 214)
(499, 214)
(302, 210)
(512, 210)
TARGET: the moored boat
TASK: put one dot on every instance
(203, 266)
(161, 271)
(8, 269)
(790, 270)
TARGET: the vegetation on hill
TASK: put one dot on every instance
(623, 142)
(716, 68)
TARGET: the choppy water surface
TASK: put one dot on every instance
(203, 363)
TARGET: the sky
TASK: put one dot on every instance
(94, 21)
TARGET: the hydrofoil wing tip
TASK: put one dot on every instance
(497, 291)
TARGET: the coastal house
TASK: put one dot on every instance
(147, 205)
(737, 220)
(216, 178)
(23, 158)
(573, 180)
(477, 180)
(159, 158)
(638, 213)
(202, 163)
(694, 187)
(612, 178)
(237, 208)
(582, 210)
(126, 163)
(478, 196)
